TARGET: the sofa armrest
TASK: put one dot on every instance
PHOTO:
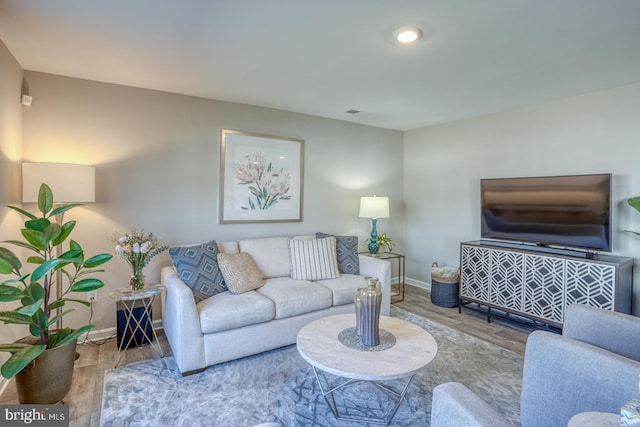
(563, 377)
(454, 405)
(616, 332)
(181, 322)
(375, 267)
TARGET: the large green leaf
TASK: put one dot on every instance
(39, 224)
(16, 318)
(74, 335)
(31, 309)
(36, 259)
(33, 293)
(58, 317)
(87, 285)
(23, 212)
(11, 258)
(52, 232)
(45, 199)
(634, 202)
(62, 209)
(64, 233)
(5, 267)
(20, 358)
(97, 260)
(35, 238)
(23, 245)
(45, 268)
(10, 293)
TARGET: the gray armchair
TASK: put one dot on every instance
(579, 371)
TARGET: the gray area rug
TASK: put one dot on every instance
(279, 386)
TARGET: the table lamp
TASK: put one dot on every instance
(374, 208)
(70, 183)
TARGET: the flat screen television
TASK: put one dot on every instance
(563, 211)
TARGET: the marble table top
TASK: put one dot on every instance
(319, 345)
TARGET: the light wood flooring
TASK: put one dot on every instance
(85, 397)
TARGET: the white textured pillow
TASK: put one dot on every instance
(241, 274)
(314, 259)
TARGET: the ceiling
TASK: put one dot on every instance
(324, 57)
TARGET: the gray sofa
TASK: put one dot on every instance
(228, 326)
(592, 367)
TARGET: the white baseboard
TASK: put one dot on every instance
(417, 283)
(106, 333)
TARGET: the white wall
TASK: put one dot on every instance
(157, 157)
(593, 133)
(10, 154)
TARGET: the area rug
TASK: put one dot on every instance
(279, 386)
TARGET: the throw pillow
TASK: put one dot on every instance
(347, 251)
(197, 267)
(241, 274)
(314, 259)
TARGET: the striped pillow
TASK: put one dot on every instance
(313, 259)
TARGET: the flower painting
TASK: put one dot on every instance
(261, 178)
(267, 186)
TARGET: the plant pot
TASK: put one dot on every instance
(47, 379)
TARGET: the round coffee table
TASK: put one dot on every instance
(330, 346)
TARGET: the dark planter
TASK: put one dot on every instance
(47, 379)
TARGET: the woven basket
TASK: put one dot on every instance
(444, 289)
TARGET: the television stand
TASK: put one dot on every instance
(539, 286)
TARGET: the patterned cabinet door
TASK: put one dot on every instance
(507, 279)
(474, 273)
(590, 283)
(543, 287)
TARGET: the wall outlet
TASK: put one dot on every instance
(92, 297)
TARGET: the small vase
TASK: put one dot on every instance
(137, 280)
(371, 298)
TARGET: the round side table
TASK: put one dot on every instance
(131, 300)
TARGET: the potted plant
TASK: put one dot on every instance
(384, 240)
(43, 362)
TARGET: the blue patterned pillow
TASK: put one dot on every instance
(347, 250)
(198, 267)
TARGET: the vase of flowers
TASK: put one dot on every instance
(137, 248)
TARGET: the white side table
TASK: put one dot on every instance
(130, 300)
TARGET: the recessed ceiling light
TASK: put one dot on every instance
(407, 34)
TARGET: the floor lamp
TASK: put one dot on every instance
(70, 183)
(374, 208)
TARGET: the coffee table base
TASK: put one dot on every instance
(393, 395)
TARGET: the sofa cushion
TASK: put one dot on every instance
(347, 251)
(314, 259)
(241, 274)
(228, 311)
(270, 254)
(293, 297)
(198, 268)
(345, 288)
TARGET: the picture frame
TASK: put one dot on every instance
(261, 178)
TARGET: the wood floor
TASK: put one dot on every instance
(85, 397)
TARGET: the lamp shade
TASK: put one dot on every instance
(374, 207)
(70, 183)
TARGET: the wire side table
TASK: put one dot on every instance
(129, 300)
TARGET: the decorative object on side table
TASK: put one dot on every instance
(43, 363)
(385, 242)
(634, 202)
(374, 208)
(370, 302)
(137, 248)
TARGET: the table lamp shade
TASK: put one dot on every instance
(374, 207)
(70, 183)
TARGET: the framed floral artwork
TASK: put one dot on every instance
(261, 178)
